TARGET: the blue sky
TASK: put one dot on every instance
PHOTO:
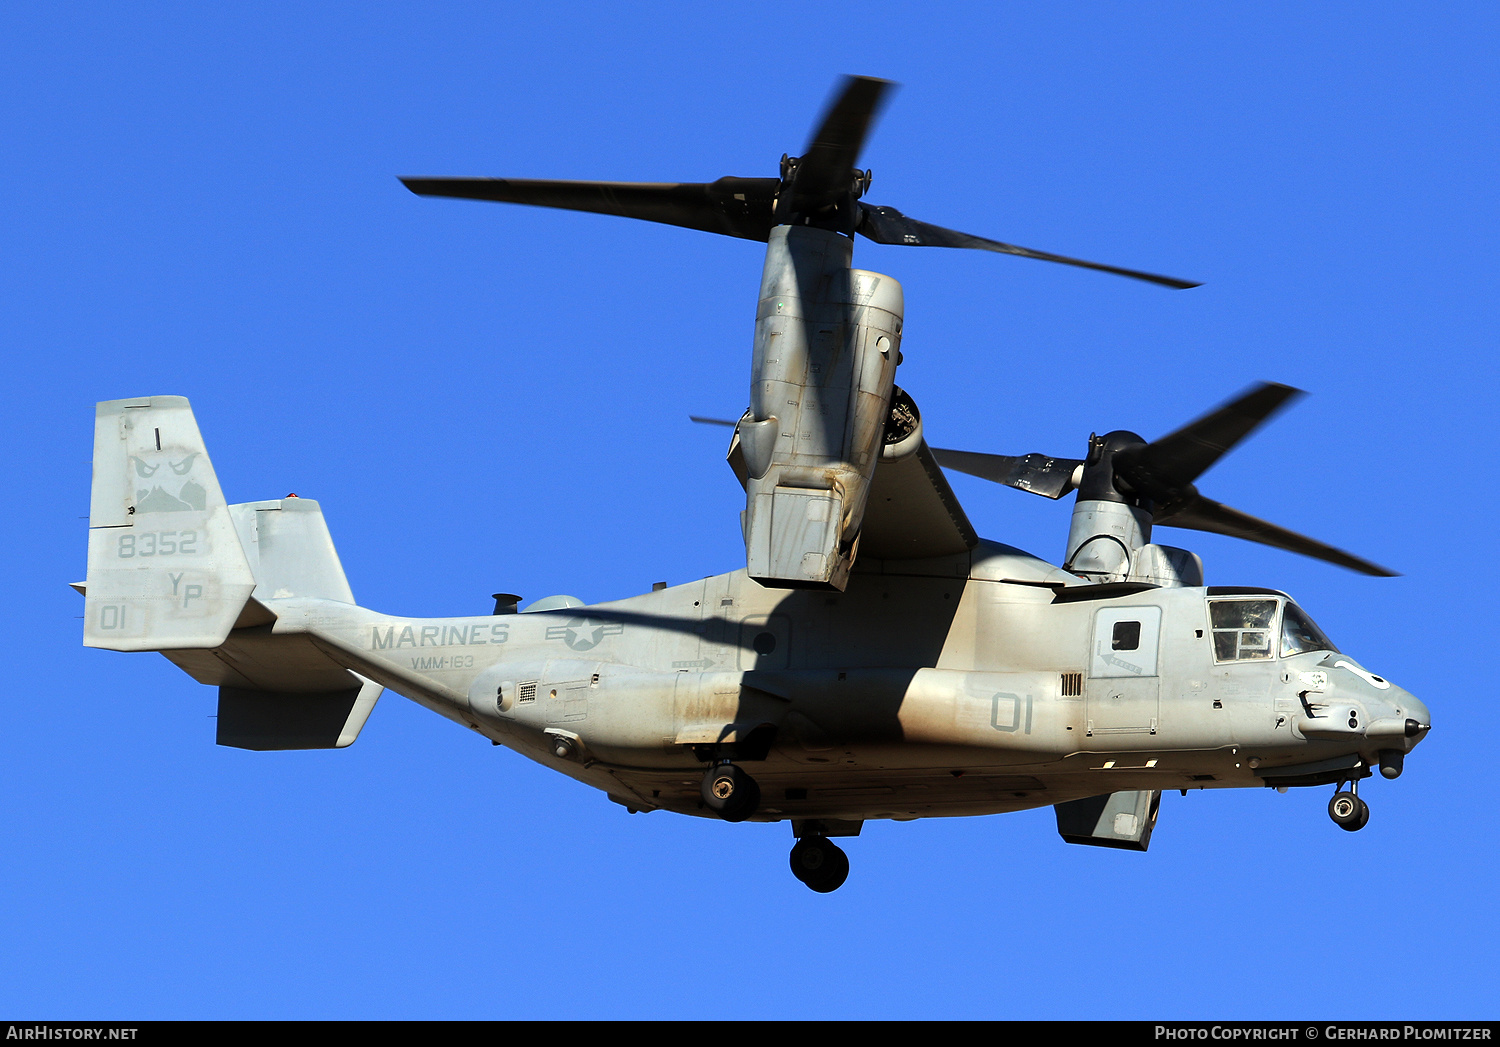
(203, 202)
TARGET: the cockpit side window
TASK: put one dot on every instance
(1300, 634)
(1242, 629)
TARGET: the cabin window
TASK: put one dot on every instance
(1125, 642)
(1127, 636)
(1299, 634)
(1242, 629)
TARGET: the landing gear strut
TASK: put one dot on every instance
(729, 792)
(820, 863)
(1347, 810)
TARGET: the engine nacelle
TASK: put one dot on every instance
(903, 427)
(827, 340)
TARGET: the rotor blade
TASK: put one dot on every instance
(1036, 473)
(712, 421)
(886, 225)
(732, 206)
(1170, 463)
(827, 164)
(1203, 514)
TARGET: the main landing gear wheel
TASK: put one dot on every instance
(820, 863)
(1348, 811)
(729, 792)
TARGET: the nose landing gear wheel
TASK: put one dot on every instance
(729, 792)
(1348, 811)
(818, 862)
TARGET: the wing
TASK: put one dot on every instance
(913, 514)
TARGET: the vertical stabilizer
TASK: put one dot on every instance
(290, 550)
(166, 569)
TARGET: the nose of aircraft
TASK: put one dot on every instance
(1405, 729)
(1418, 719)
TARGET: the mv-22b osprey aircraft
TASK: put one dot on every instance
(874, 658)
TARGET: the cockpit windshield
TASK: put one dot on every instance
(1299, 634)
(1242, 629)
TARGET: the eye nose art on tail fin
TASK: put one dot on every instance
(166, 568)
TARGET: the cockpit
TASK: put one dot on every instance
(1261, 627)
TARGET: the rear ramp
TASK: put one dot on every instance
(1124, 819)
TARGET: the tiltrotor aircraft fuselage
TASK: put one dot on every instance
(874, 658)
